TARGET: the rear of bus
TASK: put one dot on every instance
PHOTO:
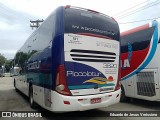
(89, 77)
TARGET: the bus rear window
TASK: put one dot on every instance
(80, 21)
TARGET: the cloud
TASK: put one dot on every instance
(141, 15)
(15, 16)
(9, 53)
(14, 29)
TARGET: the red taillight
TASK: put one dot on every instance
(113, 19)
(66, 102)
(109, 95)
(61, 85)
(67, 6)
(117, 96)
(80, 99)
(118, 86)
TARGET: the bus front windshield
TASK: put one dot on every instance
(81, 21)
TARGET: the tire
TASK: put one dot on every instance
(31, 101)
(123, 97)
(15, 86)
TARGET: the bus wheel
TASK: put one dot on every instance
(31, 101)
(15, 85)
(123, 98)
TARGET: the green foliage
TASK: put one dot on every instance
(8, 65)
(22, 57)
(2, 60)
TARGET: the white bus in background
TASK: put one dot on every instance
(14, 71)
(2, 71)
(140, 62)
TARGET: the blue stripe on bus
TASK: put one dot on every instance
(151, 54)
(58, 43)
(89, 86)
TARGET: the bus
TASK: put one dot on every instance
(71, 62)
(14, 71)
(140, 66)
(2, 71)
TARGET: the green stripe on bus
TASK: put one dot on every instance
(89, 86)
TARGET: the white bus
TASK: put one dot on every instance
(14, 71)
(140, 62)
(2, 71)
(71, 62)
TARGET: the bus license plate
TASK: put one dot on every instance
(95, 100)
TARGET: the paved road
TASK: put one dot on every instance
(10, 100)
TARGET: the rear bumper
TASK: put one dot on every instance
(58, 105)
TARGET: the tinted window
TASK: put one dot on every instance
(46, 32)
(38, 41)
(139, 40)
(80, 21)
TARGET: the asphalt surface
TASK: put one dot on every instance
(10, 100)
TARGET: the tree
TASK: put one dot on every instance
(2, 60)
(21, 58)
(8, 65)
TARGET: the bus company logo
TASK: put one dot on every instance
(34, 65)
(130, 51)
(6, 114)
(21, 114)
(125, 63)
(100, 80)
(109, 65)
(82, 74)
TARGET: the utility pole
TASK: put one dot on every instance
(36, 23)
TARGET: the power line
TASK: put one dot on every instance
(140, 20)
(139, 9)
(6, 11)
(15, 15)
(130, 8)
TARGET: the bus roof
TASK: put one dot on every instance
(90, 10)
(135, 29)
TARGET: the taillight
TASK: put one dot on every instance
(113, 19)
(118, 86)
(67, 6)
(61, 85)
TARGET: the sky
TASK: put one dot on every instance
(15, 16)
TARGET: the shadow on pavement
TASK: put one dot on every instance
(155, 105)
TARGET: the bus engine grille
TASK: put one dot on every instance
(145, 84)
(92, 55)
